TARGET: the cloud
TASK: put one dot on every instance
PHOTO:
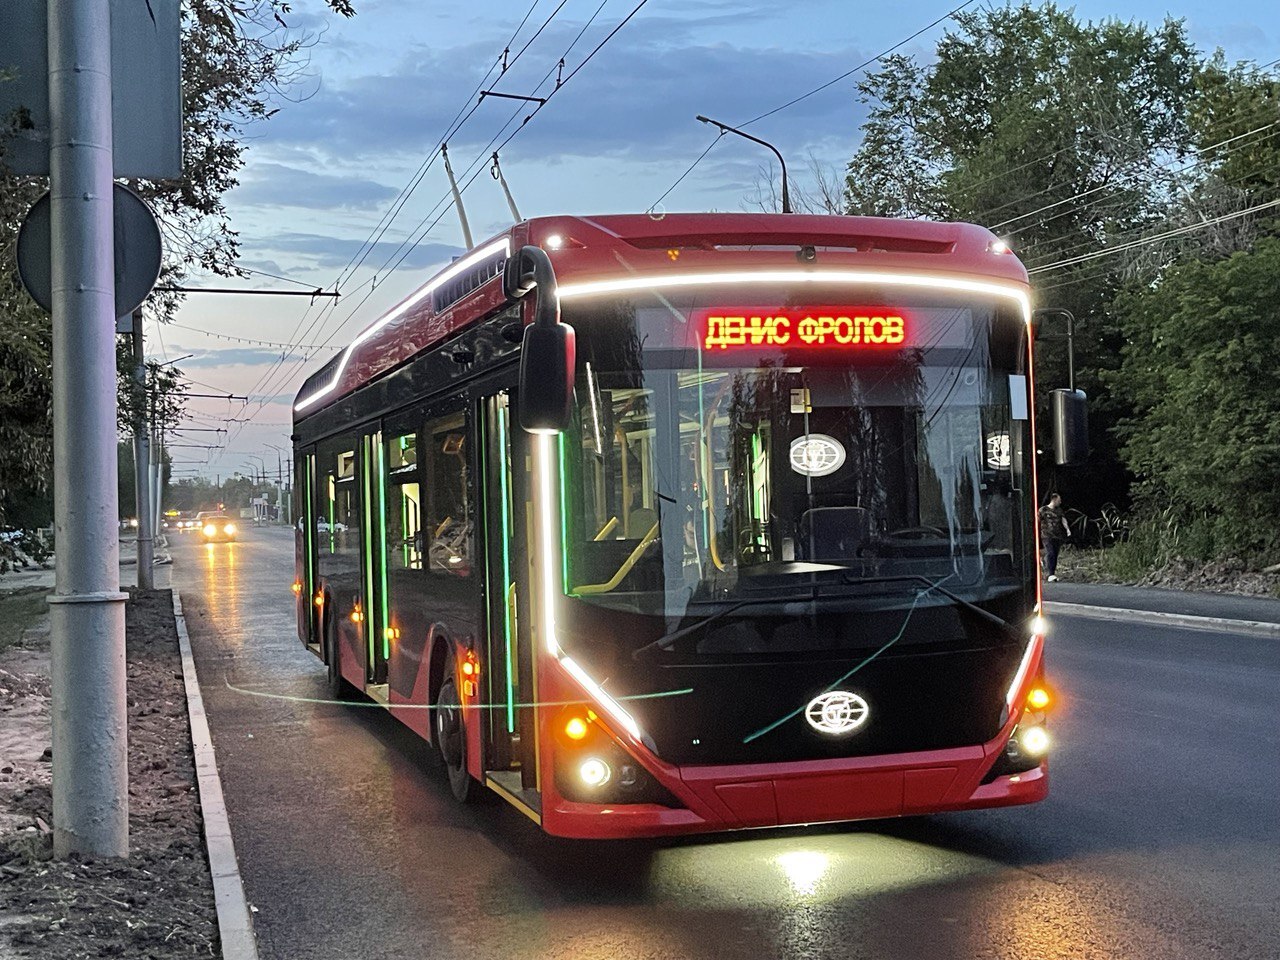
(635, 101)
(326, 252)
(278, 185)
(232, 357)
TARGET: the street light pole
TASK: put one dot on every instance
(282, 479)
(86, 610)
(142, 462)
(725, 128)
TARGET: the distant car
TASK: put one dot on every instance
(323, 526)
(217, 527)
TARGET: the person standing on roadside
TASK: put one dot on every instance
(1053, 531)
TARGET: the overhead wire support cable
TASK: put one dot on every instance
(459, 119)
(471, 179)
(313, 294)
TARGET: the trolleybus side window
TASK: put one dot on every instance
(404, 504)
(447, 511)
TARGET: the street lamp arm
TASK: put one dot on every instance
(725, 128)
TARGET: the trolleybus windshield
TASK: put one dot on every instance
(845, 448)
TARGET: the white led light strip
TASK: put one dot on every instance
(551, 591)
(544, 451)
(502, 246)
(1019, 678)
(570, 291)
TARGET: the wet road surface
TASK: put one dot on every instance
(1161, 837)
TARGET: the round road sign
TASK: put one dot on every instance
(137, 245)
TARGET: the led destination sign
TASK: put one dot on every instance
(831, 328)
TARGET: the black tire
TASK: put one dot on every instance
(449, 734)
(339, 689)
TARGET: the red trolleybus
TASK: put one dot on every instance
(695, 523)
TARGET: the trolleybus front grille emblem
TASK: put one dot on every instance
(836, 712)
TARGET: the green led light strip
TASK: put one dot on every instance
(380, 455)
(564, 519)
(308, 518)
(504, 467)
(367, 517)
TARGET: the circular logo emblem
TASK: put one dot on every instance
(837, 711)
(816, 455)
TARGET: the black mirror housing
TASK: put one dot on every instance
(547, 361)
(1070, 427)
(548, 355)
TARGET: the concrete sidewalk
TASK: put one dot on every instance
(1221, 606)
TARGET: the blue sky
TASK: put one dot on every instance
(380, 91)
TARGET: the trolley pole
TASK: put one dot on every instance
(142, 465)
(90, 759)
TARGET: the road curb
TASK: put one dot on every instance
(1257, 628)
(235, 922)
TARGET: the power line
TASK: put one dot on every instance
(804, 96)
(476, 164)
(1146, 241)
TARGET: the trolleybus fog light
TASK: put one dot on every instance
(1035, 741)
(594, 772)
(628, 775)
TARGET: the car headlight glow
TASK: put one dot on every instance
(594, 772)
(1035, 741)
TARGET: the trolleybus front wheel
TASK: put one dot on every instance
(451, 737)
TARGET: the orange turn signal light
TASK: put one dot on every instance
(575, 728)
(297, 587)
(319, 599)
(1038, 698)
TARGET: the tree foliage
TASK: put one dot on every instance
(1075, 140)
(1201, 372)
(239, 59)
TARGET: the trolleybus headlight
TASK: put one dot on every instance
(594, 772)
(1035, 741)
(229, 529)
(210, 530)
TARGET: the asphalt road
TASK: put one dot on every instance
(1161, 838)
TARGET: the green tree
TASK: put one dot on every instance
(1200, 371)
(1059, 135)
(238, 57)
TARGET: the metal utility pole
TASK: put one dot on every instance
(282, 480)
(725, 128)
(142, 463)
(90, 727)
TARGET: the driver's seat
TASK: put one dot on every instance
(833, 533)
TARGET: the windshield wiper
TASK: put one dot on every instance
(969, 605)
(665, 641)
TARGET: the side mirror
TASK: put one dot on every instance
(1070, 427)
(547, 357)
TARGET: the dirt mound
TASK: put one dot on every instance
(158, 904)
(1230, 575)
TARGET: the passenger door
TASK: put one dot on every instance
(511, 745)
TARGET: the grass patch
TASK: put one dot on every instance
(19, 610)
